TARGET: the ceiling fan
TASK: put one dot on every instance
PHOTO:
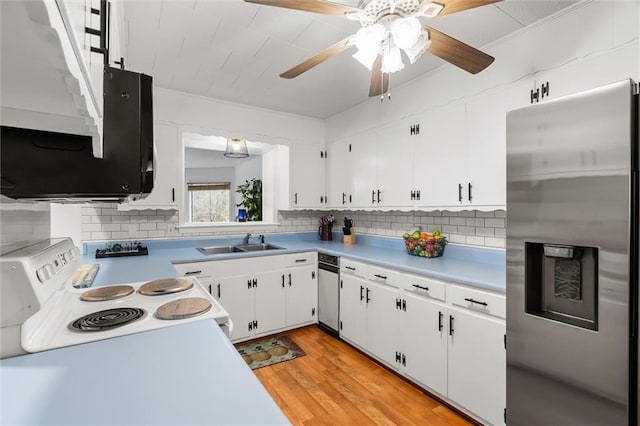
(389, 27)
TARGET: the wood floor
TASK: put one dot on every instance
(337, 385)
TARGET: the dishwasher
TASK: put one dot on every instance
(328, 292)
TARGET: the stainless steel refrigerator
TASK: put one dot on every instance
(572, 259)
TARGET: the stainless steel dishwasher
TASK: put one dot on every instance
(328, 291)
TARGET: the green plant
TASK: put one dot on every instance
(251, 192)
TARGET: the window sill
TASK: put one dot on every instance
(228, 226)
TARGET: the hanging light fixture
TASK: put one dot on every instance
(236, 148)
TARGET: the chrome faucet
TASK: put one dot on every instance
(246, 238)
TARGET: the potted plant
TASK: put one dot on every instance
(251, 192)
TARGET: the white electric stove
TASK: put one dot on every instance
(41, 310)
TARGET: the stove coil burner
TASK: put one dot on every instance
(107, 319)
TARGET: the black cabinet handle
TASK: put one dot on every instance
(421, 287)
(173, 195)
(361, 294)
(418, 195)
(282, 280)
(249, 284)
(289, 280)
(404, 305)
(450, 325)
(350, 198)
(351, 268)
(379, 196)
(459, 192)
(373, 197)
(321, 199)
(368, 298)
(404, 360)
(398, 304)
(344, 196)
(470, 197)
(300, 260)
(397, 356)
(440, 321)
(476, 302)
(210, 289)
(380, 276)
(295, 198)
(219, 294)
(193, 272)
(255, 282)
(413, 195)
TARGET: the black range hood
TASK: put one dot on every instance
(40, 165)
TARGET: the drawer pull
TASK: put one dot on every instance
(440, 321)
(218, 290)
(382, 277)
(421, 287)
(210, 291)
(351, 268)
(476, 302)
(361, 293)
(368, 298)
(450, 325)
(193, 272)
(300, 260)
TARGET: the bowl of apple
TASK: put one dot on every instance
(425, 244)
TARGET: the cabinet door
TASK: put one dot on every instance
(382, 322)
(477, 366)
(487, 149)
(307, 176)
(352, 310)
(339, 173)
(166, 170)
(270, 301)
(364, 154)
(395, 165)
(440, 156)
(302, 292)
(424, 342)
(237, 299)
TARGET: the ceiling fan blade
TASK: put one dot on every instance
(379, 80)
(316, 6)
(327, 53)
(453, 6)
(457, 53)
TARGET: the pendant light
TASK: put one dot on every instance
(236, 148)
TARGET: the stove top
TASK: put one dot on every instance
(107, 319)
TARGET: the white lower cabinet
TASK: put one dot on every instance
(262, 295)
(447, 338)
(477, 364)
(424, 342)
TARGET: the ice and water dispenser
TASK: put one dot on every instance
(561, 283)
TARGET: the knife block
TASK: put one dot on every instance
(349, 239)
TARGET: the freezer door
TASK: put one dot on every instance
(568, 223)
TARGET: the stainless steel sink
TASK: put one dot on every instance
(257, 247)
(219, 250)
(240, 248)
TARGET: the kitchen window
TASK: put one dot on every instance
(209, 202)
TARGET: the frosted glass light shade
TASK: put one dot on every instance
(415, 52)
(392, 60)
(366, 57)
(369, 38)
(405, 32)
(236, 148)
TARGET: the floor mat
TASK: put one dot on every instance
(269, 351)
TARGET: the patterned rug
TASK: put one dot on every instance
(269, 351)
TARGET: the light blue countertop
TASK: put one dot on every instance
(182, 375)
(478, 267)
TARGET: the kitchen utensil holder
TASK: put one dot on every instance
(349, 239)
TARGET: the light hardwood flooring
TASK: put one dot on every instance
(336, 384)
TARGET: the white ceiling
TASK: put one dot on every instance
(235, 51)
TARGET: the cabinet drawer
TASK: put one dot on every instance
(301, 259)
(478, 300)
(197, 269)
(424, 286)
(382, 275)
(352, 267)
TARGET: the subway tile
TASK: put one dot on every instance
(494, 223)
(458, 221)
(474, 240)
(100, 219)
(494, 242)
(86, 219)
(475, 222)
(501, 232)
(467, 213)
(448, 229)
(156, 234)
(427, 220)
(466, 230)
(90, 211)
(486, 232)
(111, 227)
(120, 219)
(458, 239)
(92, 227)
(449, 213)
(109, 212)
(119, 235)
(485, 214)
(139, 219)
(86, 236)
(500, 213)
(100, 235)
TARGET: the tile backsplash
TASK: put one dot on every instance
(469, 227)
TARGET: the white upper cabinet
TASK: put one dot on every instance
(339, 174)
(166, 190)
(395, 165)
(50, 78)
(307, 183)
(364, 163)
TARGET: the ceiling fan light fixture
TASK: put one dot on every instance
(392, 60)
(369, 38)
(236, 148)
(415, 52)
(405, 31)
(366, 57)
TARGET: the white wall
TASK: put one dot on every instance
(245, 171)
(598, 39)
(64, 222)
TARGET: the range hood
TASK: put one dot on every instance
(51, 166)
